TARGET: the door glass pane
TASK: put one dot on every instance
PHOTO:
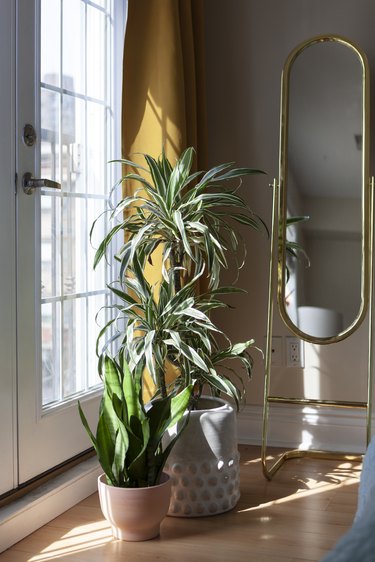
(95, 147)
(96, 47)
(76, 144)
(74, 346)
(50, 42)
(50, 246)
(51, 357)
(73, 45)
(50, 134)
(73, 136)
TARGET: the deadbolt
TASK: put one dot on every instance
(29, 135)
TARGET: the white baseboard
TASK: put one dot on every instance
(32, 511)
(290, 426)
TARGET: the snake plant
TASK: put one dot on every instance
(129, 436)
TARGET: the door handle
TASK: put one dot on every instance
(29, 183)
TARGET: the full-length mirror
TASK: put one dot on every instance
(323, 293)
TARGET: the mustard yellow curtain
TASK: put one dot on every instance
(163, 104)
(163, 79)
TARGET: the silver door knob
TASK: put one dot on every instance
(29, 183)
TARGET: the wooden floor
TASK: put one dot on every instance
(298, 516)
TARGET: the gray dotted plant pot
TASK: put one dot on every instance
(204, 462)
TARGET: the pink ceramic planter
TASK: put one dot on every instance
(135, 514)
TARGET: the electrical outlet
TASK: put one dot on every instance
(294, 352)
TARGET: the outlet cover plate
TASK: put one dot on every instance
(294, 352)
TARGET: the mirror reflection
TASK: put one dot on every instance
(322, 178)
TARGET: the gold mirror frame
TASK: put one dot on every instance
(365, 190)
(277, 276)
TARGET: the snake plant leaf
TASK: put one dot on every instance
(130, 393)
(179, 404)
(106, 448)
(112, 379)
(164, 413)
(121, 447)
(87, 428)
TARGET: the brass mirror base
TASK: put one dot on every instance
(270, 469)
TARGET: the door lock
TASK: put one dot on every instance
(29, 135)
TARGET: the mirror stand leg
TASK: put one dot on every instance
(268, 359)
(371, 317)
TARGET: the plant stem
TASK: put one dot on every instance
(176, 263)
(161, 382)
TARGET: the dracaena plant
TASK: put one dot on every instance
(175, 329)
(191, 216)
(129, 440)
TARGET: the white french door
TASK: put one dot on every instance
(8, 433)
(68, 73)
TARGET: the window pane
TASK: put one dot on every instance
(96, 155)
(95, 210)
(72, 139)
(96, 319)
(73, 45)
(50, 42)
(96, 52)
(75, 239)
(51, 366)
(74, 346)
(50, 246)
(50, 134)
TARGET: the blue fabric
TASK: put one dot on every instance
(358, 544)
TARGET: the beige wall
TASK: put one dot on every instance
(247, 43)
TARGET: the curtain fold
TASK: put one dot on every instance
(163, 79)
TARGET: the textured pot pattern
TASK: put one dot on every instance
(204, 463)
(135, 514)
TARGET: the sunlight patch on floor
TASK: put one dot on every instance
(98, 534)
(318, 488)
